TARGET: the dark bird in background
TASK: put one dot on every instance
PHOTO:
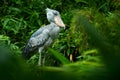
(45, 35)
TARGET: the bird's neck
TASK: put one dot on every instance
(52, 23)
(54, 30)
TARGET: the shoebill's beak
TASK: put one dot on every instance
(59, 21)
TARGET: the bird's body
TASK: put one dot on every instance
(44, 36)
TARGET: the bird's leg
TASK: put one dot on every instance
(39, 61)
(40, 57)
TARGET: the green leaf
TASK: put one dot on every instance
(59, 56)
(6, 22)
(15, 9)
(90, 51)
(82, 1)
(5, 39)
(68, 51)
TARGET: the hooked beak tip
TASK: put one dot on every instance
(63, 27)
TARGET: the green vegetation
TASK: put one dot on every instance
(89, 48)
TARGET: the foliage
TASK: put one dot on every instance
(5, 42)
(59, 56)
(91, 41)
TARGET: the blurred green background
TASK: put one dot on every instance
(89, 48)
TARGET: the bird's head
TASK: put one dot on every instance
(54, 16)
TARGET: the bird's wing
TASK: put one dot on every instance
(37, 40)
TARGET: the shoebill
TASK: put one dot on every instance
(44, 36)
